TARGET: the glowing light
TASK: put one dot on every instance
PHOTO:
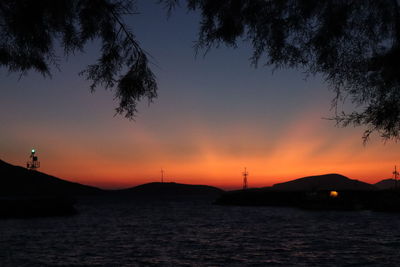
(33, 150)
(333, 194)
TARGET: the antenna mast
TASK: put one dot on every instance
(33, 163)
(396, 175)
(245, 175)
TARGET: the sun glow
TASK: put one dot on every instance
(201, 154)
(205, 158)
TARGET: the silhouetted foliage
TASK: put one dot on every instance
(31, 30)
(353, 44)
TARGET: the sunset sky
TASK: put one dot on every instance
(214, 116)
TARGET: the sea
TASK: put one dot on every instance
(132, 232)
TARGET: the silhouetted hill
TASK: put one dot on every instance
(386, 184)
(323, 182)
(314, 193)
(173, 190)
(18, 181)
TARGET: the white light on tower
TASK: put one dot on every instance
(33, 162)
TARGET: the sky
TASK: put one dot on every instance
(215, 115)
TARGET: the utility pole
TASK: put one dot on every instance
(162, 175)
(396, 175)
(245, 175)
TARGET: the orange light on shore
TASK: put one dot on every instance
(333, 194)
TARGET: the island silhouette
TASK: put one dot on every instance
(386, 184)
(320, 192)
(26, 193)
(19, 181)
(323, 182)
(157, 189)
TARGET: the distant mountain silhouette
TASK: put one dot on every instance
(387, 184)
(173, 190)
(313, 193)
(323, 182)
(19, 181)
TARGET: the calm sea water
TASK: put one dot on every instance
(196, 233)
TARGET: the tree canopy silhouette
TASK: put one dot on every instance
(354, 44)
(30, 31)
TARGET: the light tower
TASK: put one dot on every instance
(395, 175)
(33, 163)
(245, 175)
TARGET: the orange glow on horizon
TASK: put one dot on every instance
(308, 146)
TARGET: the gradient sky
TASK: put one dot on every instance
(214, 116)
